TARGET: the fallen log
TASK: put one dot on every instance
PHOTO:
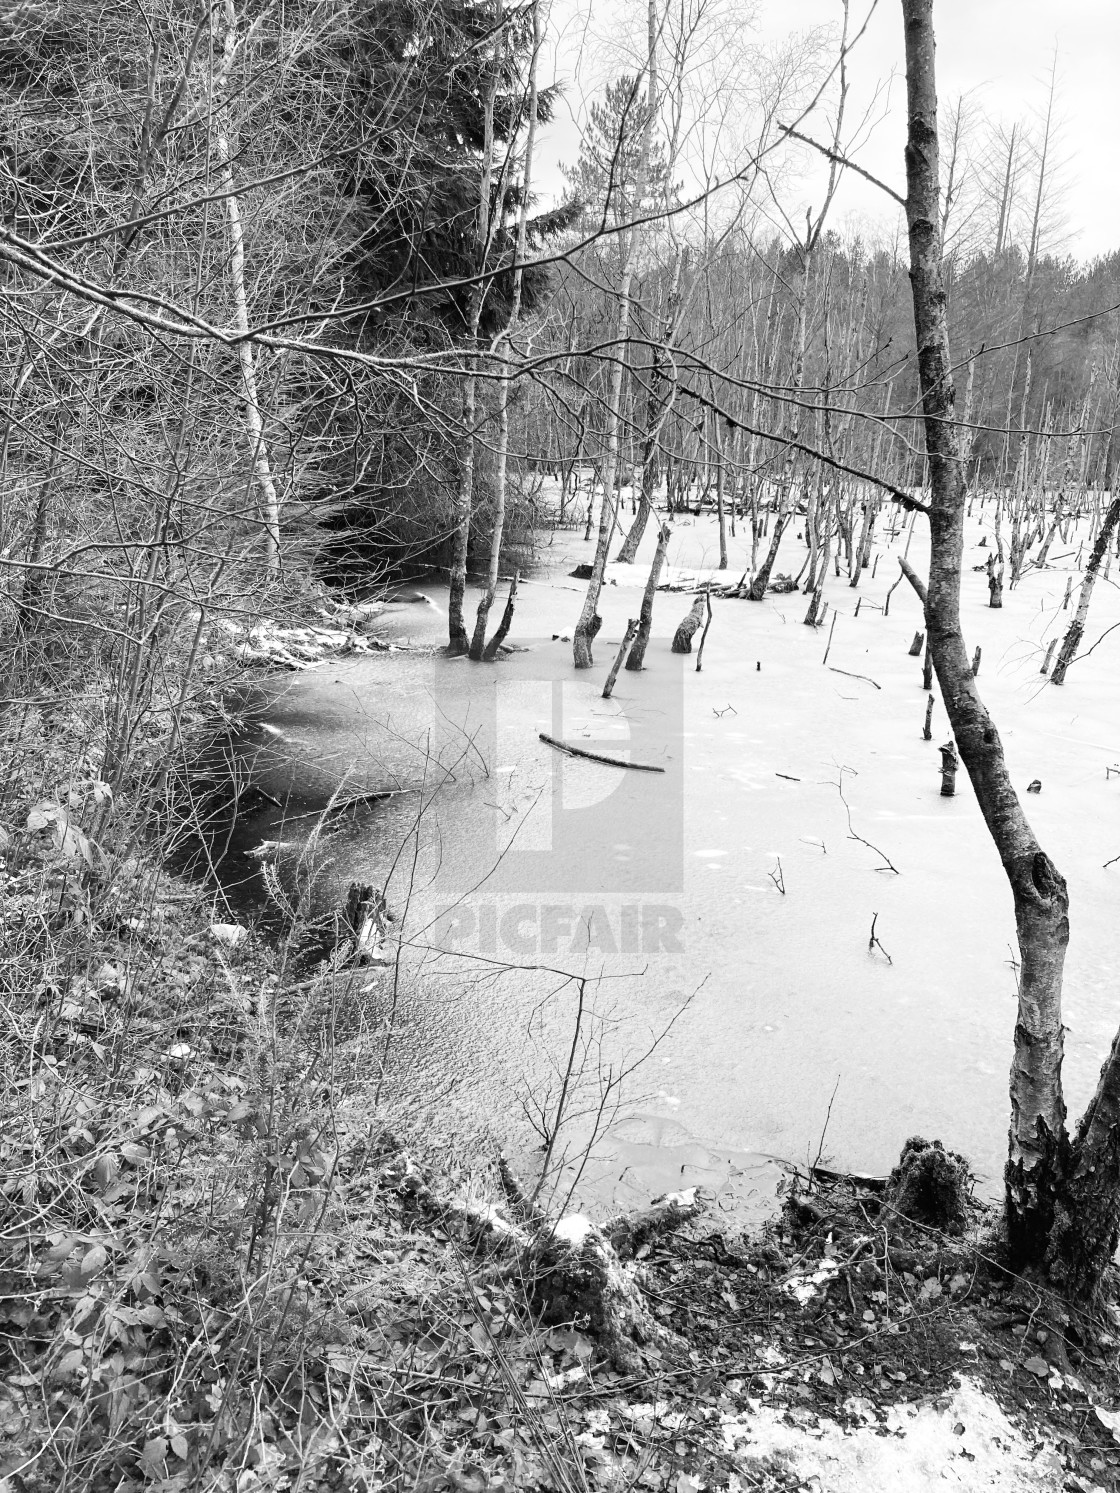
(574, 751)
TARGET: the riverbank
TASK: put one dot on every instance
(256, 1232)
(228, 1264)
(231, 1258)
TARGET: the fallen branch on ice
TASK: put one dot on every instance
(574, 751)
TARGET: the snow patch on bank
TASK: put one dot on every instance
(963, 1440)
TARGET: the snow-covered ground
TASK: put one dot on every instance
(539, 860)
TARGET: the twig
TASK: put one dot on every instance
(841, 160)
(873, 942)
(574, 751)
(866, 679)
(824, 1131)
(852, 834)
(777, 878)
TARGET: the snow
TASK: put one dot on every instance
(573, 1230)
(963, 1441)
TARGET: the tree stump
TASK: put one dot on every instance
(995, 583)
(682, 638)
(581, 1273)
(930, 1185)
(949, 764)
(364, 921)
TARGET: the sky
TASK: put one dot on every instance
(997, 52)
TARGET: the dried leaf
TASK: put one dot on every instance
(42, 815)
(154, 1455)
(94, 1259)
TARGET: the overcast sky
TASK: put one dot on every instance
(999, 52)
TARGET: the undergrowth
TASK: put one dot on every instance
(211, 1273)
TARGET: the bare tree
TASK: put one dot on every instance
(1062, 1196)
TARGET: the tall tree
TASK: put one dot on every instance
(1062, 1196)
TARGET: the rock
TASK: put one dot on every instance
(229, 934)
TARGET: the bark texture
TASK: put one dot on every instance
(1037, 1144)
(682, 638)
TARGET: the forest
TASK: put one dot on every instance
(346, 451)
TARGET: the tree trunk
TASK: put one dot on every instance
(490, 652)
(720, 513)
(268, 501)
(623, 648)
(479, 650)
(589, 621)
(1037, 1141)
(645, 616)
(1076, 631)
(457, 639)
(659, 402)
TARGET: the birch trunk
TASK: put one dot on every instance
(1076, 631)
(478, 649)
(589, 620)
(268, 503)
(1037, 1142)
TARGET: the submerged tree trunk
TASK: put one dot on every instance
(1037, 1142)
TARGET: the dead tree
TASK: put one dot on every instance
(682, 638)
(1076, 630)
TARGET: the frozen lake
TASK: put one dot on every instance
(514, 866)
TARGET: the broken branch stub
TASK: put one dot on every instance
(949, 764)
